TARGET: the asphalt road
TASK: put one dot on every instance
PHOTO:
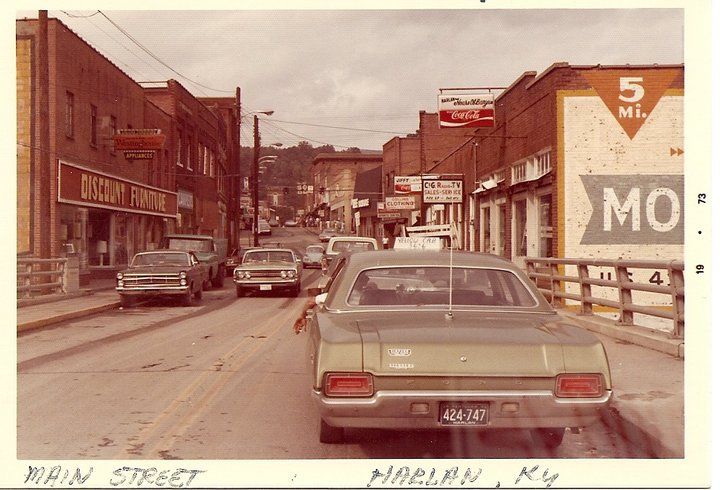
(224, 379)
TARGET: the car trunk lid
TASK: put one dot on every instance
(468, 344)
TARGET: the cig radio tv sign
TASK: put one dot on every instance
(466, 110)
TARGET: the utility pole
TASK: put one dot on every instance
(256, 179)
(235, 180)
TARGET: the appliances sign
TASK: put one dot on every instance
(467, 110)
(442, 191)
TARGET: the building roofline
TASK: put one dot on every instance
(347, 156)
(58, 21)
(627, 66)
(517, 82)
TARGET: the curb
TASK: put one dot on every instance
(31, 325)
(642, 336)
(632, 432)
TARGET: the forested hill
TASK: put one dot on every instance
(293, 165)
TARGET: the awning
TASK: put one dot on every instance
(487, 185)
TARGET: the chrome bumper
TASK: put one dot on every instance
(152, 290)
(271, 281)
(420, 409)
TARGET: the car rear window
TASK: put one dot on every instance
(419, 286)
(341, 246)
(190, 245)
(161, 259)
(267, 256)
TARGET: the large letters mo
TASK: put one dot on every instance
(634, 209)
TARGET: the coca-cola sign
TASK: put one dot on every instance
(466, 111)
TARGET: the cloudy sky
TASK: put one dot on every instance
(368, 70)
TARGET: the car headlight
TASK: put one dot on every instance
(183, 282)
(291, 274)
(183, 275)
(120, 283)
(283, 274)
(119, 276)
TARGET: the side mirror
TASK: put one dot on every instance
(314, 291)
(320, 299)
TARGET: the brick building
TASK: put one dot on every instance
(227, 108)
(335, 173)
(200, 159)
(418, 154)
(583, 161)
(75, 192)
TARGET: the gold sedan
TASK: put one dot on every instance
(405, 340)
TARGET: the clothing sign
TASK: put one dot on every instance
(399, 202)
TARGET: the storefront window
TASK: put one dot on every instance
(98, 232)
(485, 223)
(546, 226)
(520, 228)
(501, 229)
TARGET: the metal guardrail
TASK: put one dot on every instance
(41, 275)
(554, 277)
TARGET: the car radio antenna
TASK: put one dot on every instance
(449, 314)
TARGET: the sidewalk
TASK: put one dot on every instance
(648, 390)
(39, 312)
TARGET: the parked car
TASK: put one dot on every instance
(340, 244)
(290, 223)
(400, 340)
(327, 234)
(264, 227)
(162, 273)
(233, 260)
(268, 269)
(313, 256)
(273, 222)
(209, 250)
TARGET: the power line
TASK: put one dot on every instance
(304, 138)
(146, 50)
(341, 127)
(81, 16)
(125, 48)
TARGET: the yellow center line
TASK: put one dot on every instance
(184, 423)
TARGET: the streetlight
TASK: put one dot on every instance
(256, 173)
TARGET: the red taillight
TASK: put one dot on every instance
(578, 386)
(348, 384)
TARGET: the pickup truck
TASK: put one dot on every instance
(209, 250)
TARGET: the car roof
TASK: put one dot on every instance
(269, 249)
(358, 261)
(189, 236)
(352, 239)
(162, 251)
(390, 257)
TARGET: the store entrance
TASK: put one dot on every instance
(98, 231)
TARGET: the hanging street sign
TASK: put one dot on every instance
(138, 139)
